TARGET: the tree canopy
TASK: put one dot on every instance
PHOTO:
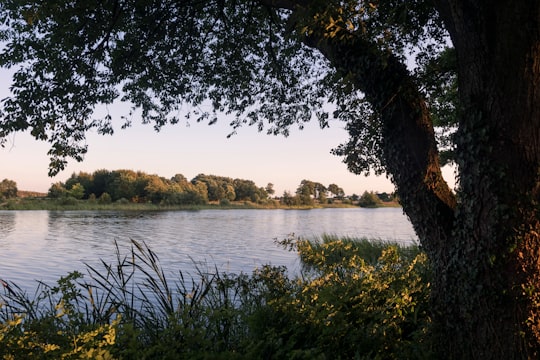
(140, 187)
(137, 186)
(247, 59)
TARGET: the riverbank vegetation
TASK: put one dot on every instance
(353, 298)
(130, 190)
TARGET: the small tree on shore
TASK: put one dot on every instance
(369, 199)
(57, 190)
(77, 191)
(8, 189)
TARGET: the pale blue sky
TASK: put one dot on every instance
(199, 148)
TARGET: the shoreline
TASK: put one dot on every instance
(44, 203)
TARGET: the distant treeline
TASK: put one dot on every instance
(135, 186)
(128, 186)
(139, 187)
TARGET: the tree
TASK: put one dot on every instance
(322, 197)
(384, 196)
(57, 190)
(122, 185)
(84, 179)
(369, 199)
(77, 191)
(156, 189)
(8, 189)
(320, 191)
(275, 63)
(336, 190)
(179, 179)
(270, 189)
(306, 191)
(262, 195)
(102, 179)
(246, 190)
(289, 199)
(219, 187)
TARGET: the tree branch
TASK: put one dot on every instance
(409, 146)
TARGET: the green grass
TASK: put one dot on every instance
(336, 249)
(44, 203)
(73, 204)
(354, 299)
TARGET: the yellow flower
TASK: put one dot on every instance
(50, 347)
(110, 337)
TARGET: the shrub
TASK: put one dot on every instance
(224, 202)
(57, 190)
(188, 197)
(369, 199)
(359, 300)
(355, 299)
(105, 198)
(76, 191)
(67, 200)
(52, 326)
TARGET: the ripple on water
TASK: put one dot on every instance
(46, 245)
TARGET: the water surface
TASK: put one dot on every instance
(44, 245)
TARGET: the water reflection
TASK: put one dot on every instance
(7, 226)
(46, 245)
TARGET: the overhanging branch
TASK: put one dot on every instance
(409, 145)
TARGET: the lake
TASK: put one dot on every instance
(44, 245)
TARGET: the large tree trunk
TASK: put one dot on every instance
(485, 249)
(487, 290)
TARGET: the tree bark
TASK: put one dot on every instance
(488, 294)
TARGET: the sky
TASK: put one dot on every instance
(194, 149)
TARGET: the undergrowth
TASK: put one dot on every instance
(354, 299)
